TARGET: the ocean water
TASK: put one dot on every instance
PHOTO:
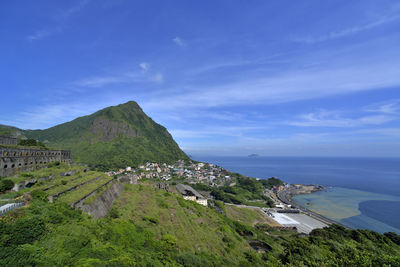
(360, 192)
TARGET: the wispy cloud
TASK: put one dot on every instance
(49, 115)
(387, 107)
(178, 41)
(122, 77)
(59, 22)
(348, 31)
(334, 119)
(288, 87)
(231, 131)
(144, 66)
(74, 9)
(38, 35)
(158, 77)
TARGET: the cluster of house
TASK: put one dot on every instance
(191, 172)
(209, 174)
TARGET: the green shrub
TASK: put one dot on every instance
(169, 241)
(113, 213)
(6, 185)
(39, 195)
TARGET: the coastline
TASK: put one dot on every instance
(286, 197)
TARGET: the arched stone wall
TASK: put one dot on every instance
(13, 160)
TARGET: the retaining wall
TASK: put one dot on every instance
(102, 204)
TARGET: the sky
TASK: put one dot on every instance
(274, 78)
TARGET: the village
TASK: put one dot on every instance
(191, 172)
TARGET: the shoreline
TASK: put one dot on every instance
(286, 197)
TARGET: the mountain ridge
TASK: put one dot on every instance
(113, 137)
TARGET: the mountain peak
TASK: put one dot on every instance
(114, 137)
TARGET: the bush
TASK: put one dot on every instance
(113, 213)
(150, 219)
(169, 241)
(39, 195)
(30, 142)
(6, 185)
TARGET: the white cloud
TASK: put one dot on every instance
(387, 107)
(231, 131)
(60, 21)
(333, 119)
(101, 81)
(98, 82)
(178, 41)
(38, 35)
(348, 31)
(144, 66)
(74, 9)
(158, 77)
(288, 87)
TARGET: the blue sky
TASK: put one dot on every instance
(302, 78)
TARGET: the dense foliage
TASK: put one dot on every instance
(5, 184)
(147, 227)
(247, 191)
(30, 142)
(337, 246)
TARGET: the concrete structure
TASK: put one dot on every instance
(6, 140)
(15, 160)
(189, 193)
(9, 207)
(303, 223)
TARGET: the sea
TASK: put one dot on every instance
(361, 193)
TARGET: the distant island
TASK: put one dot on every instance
(253, 156)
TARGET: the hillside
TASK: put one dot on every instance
(113, 137)
(151, 227)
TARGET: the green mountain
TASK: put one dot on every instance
(113, 137)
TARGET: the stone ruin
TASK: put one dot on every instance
(15, 160)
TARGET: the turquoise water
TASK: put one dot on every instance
(355, 208)
(361, 192)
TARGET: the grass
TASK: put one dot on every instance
(44, 172)
(248, 216)
(82, 191)
(73, 183)
(195, 227)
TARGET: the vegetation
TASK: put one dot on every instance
(142, 231)
(246, 191)
(113, 138)
(5, 185)
(30, 142)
